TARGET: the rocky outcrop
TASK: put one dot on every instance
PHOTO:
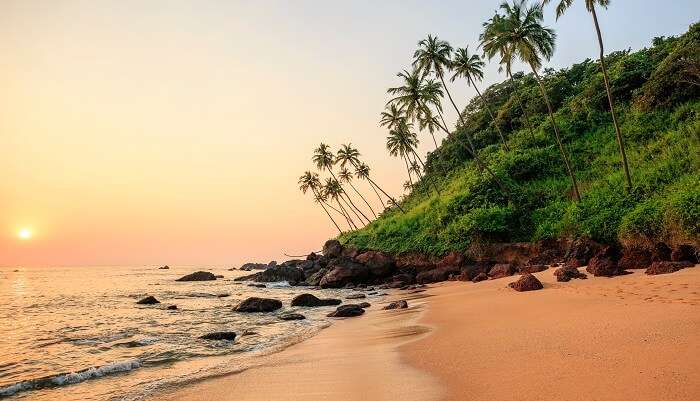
(566, 273)
(364, 305)
(532, 269)
(166, 267)
(292, 316)
(604, 263)
(198, 276)
(255, 304)
(356, 296)
(149, 300)
(582, 250)
(667, 267)
(220, 335)
(501, 270)
(314, 279)
(527, 282)
(685, 253)
(635, 258)
(275, 274)
(397, 305)
(332, 249)
(437, 274)
(253, 266)
(172, 307)
(348, 310)
(661, 252)
(311, 300)
(480, 277)
(416, 261)
(343, 271)
(380, 264)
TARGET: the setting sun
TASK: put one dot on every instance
(24, 234)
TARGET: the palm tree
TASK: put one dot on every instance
(590, 6)
(345, 176)
(311, 181)
(324, 159)
(333, 190)
(362, 173)
(470, 66)
(520, 33)
(415, 168)
(402, 142)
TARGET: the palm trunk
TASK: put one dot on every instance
(493, 118)
(386, 194)
(432, 179)
(408, 170)
(461, 118)
(346, 194)
(381, 201)
(346, 214)
(326, 210)
(620, 143)
(527, 115)
(363, 198)
(556, 133)
(345, 199)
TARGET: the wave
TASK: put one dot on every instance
(70, 378)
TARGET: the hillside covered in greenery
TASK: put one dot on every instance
(457, 204)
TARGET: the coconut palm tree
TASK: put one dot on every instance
(471, 67)
(324, 159)
(415, 169)
(590, 6)
(310, 180)
(333, 190)
(401, 143)
(345, 176)
(519, 33)
(362, 173)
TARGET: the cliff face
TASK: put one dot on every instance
(658, 104)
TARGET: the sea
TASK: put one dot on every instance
(76, 333)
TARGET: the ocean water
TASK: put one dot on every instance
(76, 333)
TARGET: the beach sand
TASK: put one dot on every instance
(631, 338)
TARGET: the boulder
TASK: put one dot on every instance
(661, 253)
(292, 316)
(348, 310)
(502, 270)
(582, 250)
(198, 276)
(397, 305)
(356, 296)
(364, 305)
(172, 307)
(292, 263)
(220, 335)
(685, 253)
(315, 278)
(527, 282)
(566, 273)
(343, 271)
(350, 252)
(149, 300)
(275, 274)
(380, 264)
(312, 256)
(455, 259)
(312, 301)
(257, 285)
(332, 248)
(532, 269)
(437, 274)
(480, 277)
(416, 261)
(166, 267)
(635, 258)
(253, 266)
(255, 304)
(667, 267)
(604, 263)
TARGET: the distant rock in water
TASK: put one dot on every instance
(253, 266)
(149, 300)
(356, 296)
(257, 285)
(255, 304)
(312, 301)
(220, 335)
(348, 310)
(223, 295)
(292, 316)
(172, 307)
(397, 305)
(275, 274)
(527, 282)
(166, 267)
(198, 276)
(364, 305)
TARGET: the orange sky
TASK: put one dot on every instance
(173, 132)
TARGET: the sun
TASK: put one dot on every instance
(24, 234)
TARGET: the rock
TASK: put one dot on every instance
(342, 272)
(253, 266)
(501, 270)
(350, 252)
(380, 264)
(566, 273)
(149, 300)
(312, 256)
(166, 267)
(480, 277)
(583, 250)
(292, 316)
(315, 278)
(397, 305)
(275, 274)
(332, 248)
(414, 260)
(219, 276)
(667, 267)
(527, 282)
(604, 263)
(257, 285)
(364, 305)
(220, 335)
(249, 333)
(292, 263)
(348, 310)
(356, 296)
(172, 307)
(573, 263)
(312, 301)
(685, 253)
(454, 259)
(198, 276)
(532, 269)
(273, 263)
(661, 253)
(635, 258)
(437, 274)
(255, 304)
(223, 295)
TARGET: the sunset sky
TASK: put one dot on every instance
(173, 132)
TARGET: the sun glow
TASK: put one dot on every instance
(24, 234)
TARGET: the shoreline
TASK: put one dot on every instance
(629, 337)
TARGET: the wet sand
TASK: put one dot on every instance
(634, 337)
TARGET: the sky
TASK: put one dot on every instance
(174, 132)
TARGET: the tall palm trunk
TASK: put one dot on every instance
(620, 143)
(346, 214)
(381, 201)
(386, 194)
(363, 198)
(346, 199)
(556, 133)
(520, 102)
(461, 118)
(432, 179)
(346, 194)
(408, 170)
(326, 210)
(488, 107)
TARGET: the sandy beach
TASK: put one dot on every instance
(633, 337)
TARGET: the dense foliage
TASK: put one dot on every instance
(657, 93)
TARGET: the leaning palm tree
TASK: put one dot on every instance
(362, 173)
(311, 181)
(345, 176)
(333, 190)
(471, 67)
(519, 33)
(324, 159)
(415, 168)
(590, 6)
(401, 143)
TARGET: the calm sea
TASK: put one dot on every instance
(76, 333)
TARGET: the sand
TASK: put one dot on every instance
(631, 338)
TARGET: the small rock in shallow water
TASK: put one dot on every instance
(220, 335)
(356, 296)
(149, 300)
(348, 310)
(292, 316)
(172, 307)
(258, 285)
(311, 301)
(224, 295)
(364, 305)
(397, 305)
(198, 276)
(255, 304)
